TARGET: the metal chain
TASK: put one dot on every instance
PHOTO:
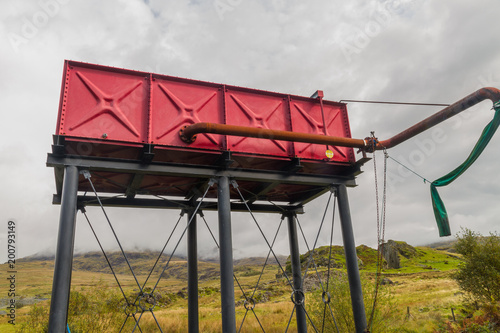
(380, 225)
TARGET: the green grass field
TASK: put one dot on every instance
(421, 293)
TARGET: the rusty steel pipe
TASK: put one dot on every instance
(188, 133)
(480, 95)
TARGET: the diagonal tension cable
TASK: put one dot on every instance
(237, 282)
(261, 274)
(211, 183)
(163, 249)
(311, 257)
(87, 176)
(112, 270)
(235, 185)
(327, 293)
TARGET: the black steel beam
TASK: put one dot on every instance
(178, 204)
(192, 251)
(226, 257)
(351, 259)
(298, 293)
(262, 191)
(195, 171)
(61, 283)
(134, 185)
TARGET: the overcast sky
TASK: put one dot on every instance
(394, 50)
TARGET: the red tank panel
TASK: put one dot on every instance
(117, 113)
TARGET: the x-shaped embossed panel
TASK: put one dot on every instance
(104, 105)
(258, 111)
(176, 104)
(307, 118)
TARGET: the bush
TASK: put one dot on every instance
(38, 320)
(484, 320)
(341, 308)
(98, 309)
(479, 273)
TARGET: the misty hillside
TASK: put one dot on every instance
(434, 257)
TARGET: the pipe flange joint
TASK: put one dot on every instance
(184, 138)
(371, 144)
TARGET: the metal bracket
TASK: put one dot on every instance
(212, 181)
(333, 189)
(86, 174)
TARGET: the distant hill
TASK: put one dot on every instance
(143, 262)
(448, 245)
(410, 259)
(438, 256)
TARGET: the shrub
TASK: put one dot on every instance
(341, 308)
(38, 320)
(479, 273)
(98, 309)
(484, 320)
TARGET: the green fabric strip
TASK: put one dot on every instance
(437, 204)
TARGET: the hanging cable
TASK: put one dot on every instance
(407, 168)
(381, 213)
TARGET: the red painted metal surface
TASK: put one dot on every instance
(98, 105)
(115, 112)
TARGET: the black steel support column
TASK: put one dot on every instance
(226, 257)
(298, 295)
(61, 284)
(351, 259)
(192, 244)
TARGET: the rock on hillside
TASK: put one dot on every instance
(334, 257)
(392, 251)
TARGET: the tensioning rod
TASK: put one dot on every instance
(188, 133)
